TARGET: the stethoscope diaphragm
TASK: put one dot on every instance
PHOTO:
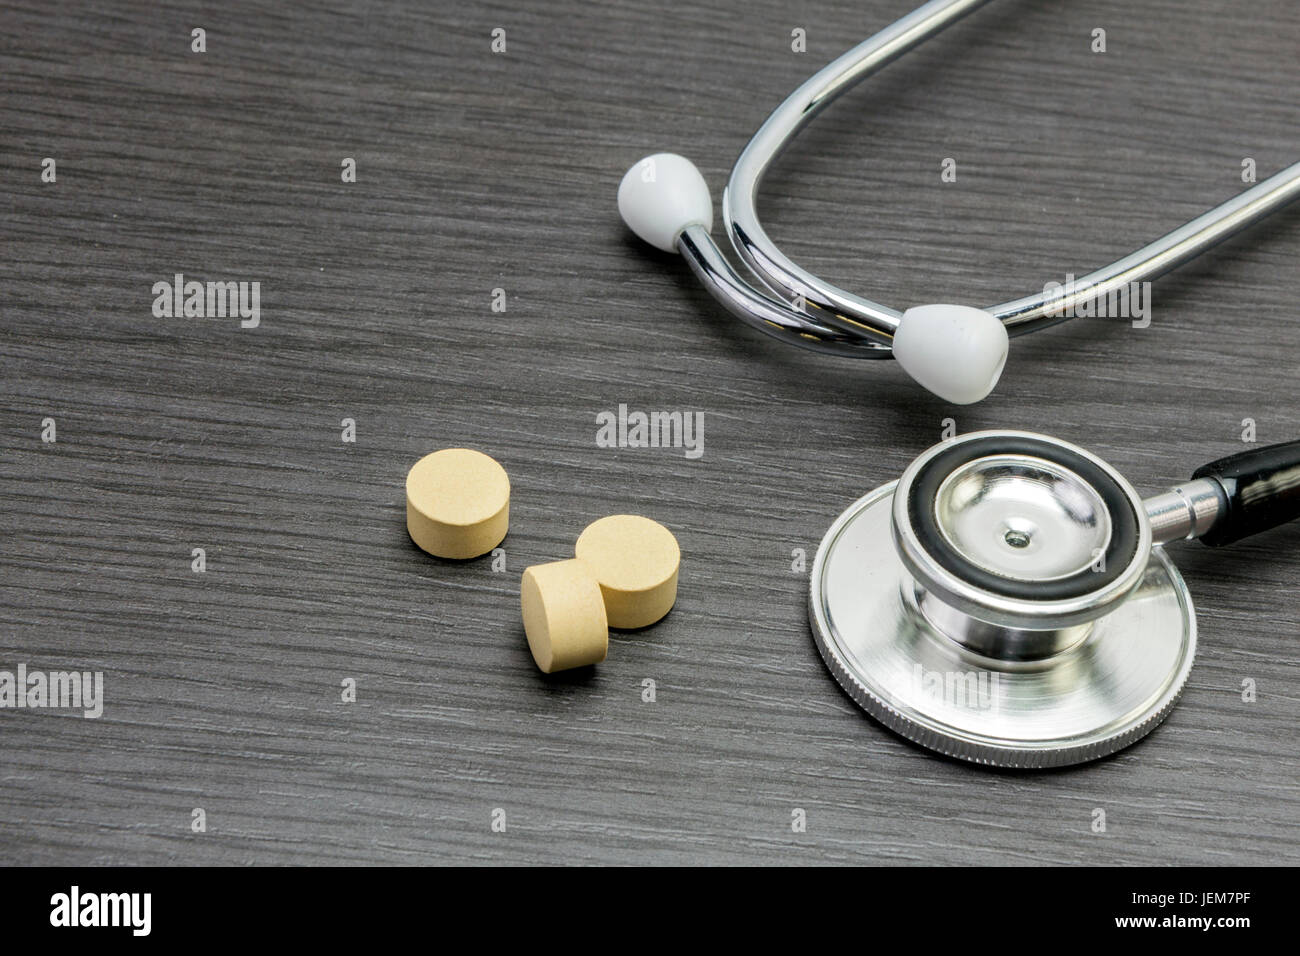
(1020, 529)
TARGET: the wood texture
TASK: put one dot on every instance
(479, 171)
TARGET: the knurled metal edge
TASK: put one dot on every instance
(991, 755)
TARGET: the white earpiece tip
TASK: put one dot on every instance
(662, 195)
(955, 351)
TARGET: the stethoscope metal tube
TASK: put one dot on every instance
(1008, 600)
(760, 311)
(957, 352)
(787, 280)
(1186, 512)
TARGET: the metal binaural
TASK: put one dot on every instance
(867, 328)
(761, 311)
(773, 269)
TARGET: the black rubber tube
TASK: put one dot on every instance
(1262, 487)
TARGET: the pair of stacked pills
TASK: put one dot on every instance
(623, 573)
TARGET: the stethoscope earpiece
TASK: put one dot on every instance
(955, 351)
(660, 196)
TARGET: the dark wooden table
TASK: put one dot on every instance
(479, 171)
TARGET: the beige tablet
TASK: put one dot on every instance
(635, 560)
(457, 503)
(564, 615)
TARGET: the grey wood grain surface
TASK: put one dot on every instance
(478, 171)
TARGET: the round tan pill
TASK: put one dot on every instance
(457, 503)
(635, 560)
(564, 615)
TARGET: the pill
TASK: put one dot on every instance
(457, 503)
(564, 615)
(635, 560)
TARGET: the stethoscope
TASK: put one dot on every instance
(957, 352)
(1009, 601)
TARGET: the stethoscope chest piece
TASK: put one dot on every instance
(1003, 603)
